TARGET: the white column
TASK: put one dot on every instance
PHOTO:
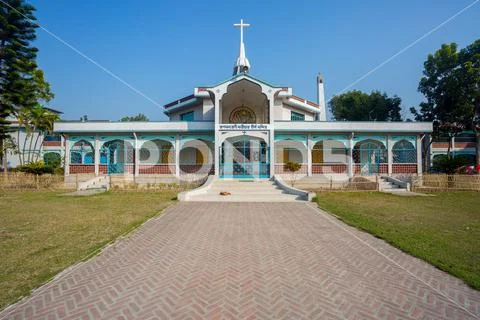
(255, 149)
(271, 119)
(271, 138)
(177, 155)
(419, 155)
(351, 171)
(136, 151)
(216, 152)
(309, 154)
(96, 154)
(227, 158)
(62, 146)
(67, 156)
(428, 154)
(389, 154)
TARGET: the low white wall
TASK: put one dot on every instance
(306, 195)
(185, 196)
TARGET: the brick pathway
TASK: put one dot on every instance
(247, 261)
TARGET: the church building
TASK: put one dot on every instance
(242, 127)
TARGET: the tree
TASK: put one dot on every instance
(359, 106)
(38, 122)
(138, 117)
(17, 62)
(451, 86)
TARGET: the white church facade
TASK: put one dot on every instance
(243, 127)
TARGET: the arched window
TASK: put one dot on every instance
(242, 114)
(82, 153)
(404, 152)
(369, 151)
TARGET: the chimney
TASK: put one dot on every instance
(321, 98)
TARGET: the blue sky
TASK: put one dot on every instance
(166, 48)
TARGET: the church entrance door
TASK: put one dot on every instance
(244, 158)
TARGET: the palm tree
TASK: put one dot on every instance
(37, 122)
(44, 128)
(22, 117)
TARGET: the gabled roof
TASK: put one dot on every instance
(247, 75)
(188, 100)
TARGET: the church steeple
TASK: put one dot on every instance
(242, 65)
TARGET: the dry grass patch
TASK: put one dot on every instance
(42, 233)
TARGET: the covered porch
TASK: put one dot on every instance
(349, 155)
(176, 155)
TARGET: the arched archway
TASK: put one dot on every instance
(291, 149)
(329, 156)
(196, 157)
(244, 102)
(82, 156)
(370, 157)
(82, 152)
(404, 156)
(244, 157)
(156, 156)
(118, 155)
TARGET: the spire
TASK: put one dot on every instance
(242, 65)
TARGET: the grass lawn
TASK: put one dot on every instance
(443, 229)
(42, 233)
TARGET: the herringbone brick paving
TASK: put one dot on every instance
(250, 261)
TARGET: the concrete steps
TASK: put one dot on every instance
(245, 191)
(97, 183)
(388, 186)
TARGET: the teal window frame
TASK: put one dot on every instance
(187, 116)
(296, 116)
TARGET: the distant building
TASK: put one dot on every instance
(463, 144)
(52, 144)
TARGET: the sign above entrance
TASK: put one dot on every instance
(244, 126)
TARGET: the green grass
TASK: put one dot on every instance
(42, 233)
(443, 229)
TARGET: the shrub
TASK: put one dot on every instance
(53, 160)
(449, 165)
(293, 166)
(35, 168)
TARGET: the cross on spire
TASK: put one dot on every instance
(242, 65)
(241, 25)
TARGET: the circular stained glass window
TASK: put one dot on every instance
(242, 114)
